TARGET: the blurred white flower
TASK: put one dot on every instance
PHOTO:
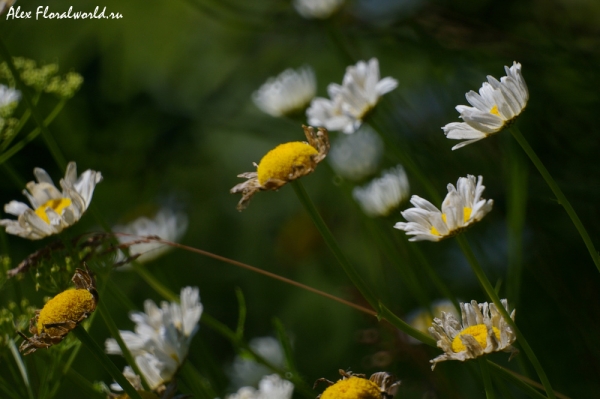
(495, 107)
(52, 210)
(166, 224)
(288, 93)
(9, 98)
(320, 9)
(246, 372)
(349, 103)
(357, 155)
(270, 387)
(420, 319)
(383, 194)
(162, 336)
(462, 207)
(483, 330)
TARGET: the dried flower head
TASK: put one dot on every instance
(52, 210)
(62, 313)
(381, 385)
(483, 330)
(496, 107)
(284, 163)
(462, 207)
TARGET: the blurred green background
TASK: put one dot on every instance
(165, 113)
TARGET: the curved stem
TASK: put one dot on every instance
(489, 289)
(103, 359)
(332, 244)
(559, 194)
(487, 378)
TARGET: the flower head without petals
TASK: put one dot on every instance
(483, 330)
(494, 108)
(288, 93)
(284, 163)
(52, 210)
(462, 207)
(351, 101)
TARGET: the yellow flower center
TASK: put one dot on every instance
(494, 110)
(352, 388)
(283, 160)
(58, 205)
(479, 332)
(466, 216)
(68, 305)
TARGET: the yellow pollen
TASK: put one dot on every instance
(58, 205)
(68, 305)
(466, 216)
(283, 160)
(494, 110)
(479, 332)
(352, 388)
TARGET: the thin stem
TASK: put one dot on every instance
(332, 244)
(400, 324)
(154, 283)
(487, 378)
(114, 331)
(521, 381)
(103, 359)
(22, 368)
(50, 142)
(559, 194)
(489, 289)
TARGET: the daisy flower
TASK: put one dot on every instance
(495, 107)
(52, 210)
(462, 207)
(288, 93)
(320, 9)
(166, 224)
(284, 163)
(383, 194)
(483, 330)
(356, 156)
(162, 336)
(350, 102)
(270, 387)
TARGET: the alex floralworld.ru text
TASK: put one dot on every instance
(43, 12)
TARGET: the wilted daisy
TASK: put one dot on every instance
(349, 103)
(320, 9)
(420, 319)
(462, 207)
(495, 107)
(52, 210)
(288, 93)
(284, 163)
(247, 372)
(62, 313)
(380, 385)
(383, 194)
(356, 156)
(166, 224)
(162, 336)
(483, 330)
(270, 387)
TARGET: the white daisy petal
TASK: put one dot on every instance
(497, 105)
(382, 195)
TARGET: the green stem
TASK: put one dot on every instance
(114, 332)
(400, 324)
(489, 289)
(332, 244)
(50, 142)
(559, 194)
(487, 378)
(22, 368)
(103, 359)
(6, 155)
(154, 282)
(517, 380)
(198, 384)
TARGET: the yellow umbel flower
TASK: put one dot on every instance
(62, 313)
(284, 163)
